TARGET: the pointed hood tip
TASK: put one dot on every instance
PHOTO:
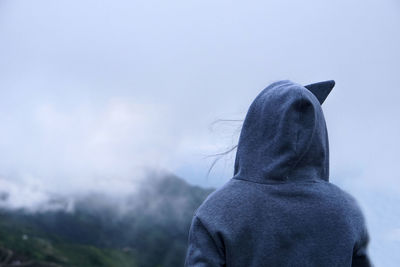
(331, 83)
(321, 89)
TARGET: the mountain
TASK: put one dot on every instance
(147, 228)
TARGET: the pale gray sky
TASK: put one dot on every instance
(92, 91)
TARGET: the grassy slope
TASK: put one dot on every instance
(153, 234)
(28, 244)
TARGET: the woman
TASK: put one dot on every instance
(279, 208)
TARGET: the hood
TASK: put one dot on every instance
(284, 136)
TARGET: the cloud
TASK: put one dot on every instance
(93, 91)
(80, 148)
(393, 234)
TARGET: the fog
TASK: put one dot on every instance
(95, 92)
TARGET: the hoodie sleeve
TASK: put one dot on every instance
(202, 249)
(360, 254)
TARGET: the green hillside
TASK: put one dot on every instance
(151, 230)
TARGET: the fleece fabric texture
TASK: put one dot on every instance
(279, 208)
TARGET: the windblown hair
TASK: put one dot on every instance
(218, 156)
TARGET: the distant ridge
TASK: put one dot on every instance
(148, 228)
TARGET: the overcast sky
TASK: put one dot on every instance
(92, 92)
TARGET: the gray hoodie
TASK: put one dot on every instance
(279, 208)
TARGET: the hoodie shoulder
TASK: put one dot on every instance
(348, 207)
(336, 190)
(240, 197)
(220, 203)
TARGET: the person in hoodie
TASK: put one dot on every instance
(279, 208)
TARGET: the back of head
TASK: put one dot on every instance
(284, 135)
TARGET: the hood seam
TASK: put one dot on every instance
(307, 148)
